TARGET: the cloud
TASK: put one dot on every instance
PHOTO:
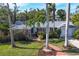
(11, 5)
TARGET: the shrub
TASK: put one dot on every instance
(52, 34)
(41, 35)
(19, 35)
(76, 34)
(1, 37)
(4, 27)
(55, 33)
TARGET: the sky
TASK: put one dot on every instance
(24, 6)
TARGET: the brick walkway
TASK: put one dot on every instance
(58, 51)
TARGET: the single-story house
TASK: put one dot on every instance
(56, 24)
(61, 25)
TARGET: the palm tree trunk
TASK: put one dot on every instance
(54, 20)
(67, 24)
(47, 27)
(11, 32)
(14, 13)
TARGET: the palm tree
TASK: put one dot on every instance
(11, 32)
(77, 9)
(47, 26)
(15, 10)
(51, 10)
(67, 23)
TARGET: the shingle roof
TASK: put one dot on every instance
(58, 24)
(18, 25)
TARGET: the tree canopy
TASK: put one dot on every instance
(35, 16)
(75, 19)
(62, 14)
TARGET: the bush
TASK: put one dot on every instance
(55, 33)
(19, 35)
(41, 35)
(4, 38)
(76, 34)
(52, 34)
(1, 37)
(4, 26)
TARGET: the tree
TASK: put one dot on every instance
(75, 19)
(40, 16)
(21, 16)
(35, 16)
(11, 32)
(31, 17)
(3, 13)
(67, 24)
(51, 12)
(47, 26)
(3, 18)
(15, 9)
(77, 9)
(61, 13)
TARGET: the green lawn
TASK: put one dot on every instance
(31, 48)
(57, 42)
(23, 49)
(60, 43)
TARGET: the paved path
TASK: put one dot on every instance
(58, 51)
(75, 43)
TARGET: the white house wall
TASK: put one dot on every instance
(70, 31)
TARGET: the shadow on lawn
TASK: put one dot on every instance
(26, 48)
(21, 41)
(73, 50)
(56, 40)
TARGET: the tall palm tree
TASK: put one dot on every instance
(67, 23)
(15, 10)
(51, 10)
(11, 32)
(77, 9)
(47, 26)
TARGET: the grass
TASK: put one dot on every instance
(57, 42)
(23, 49)
(31, 48)
(60, 43)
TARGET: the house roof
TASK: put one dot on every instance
(57, 24)
(18, 25)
